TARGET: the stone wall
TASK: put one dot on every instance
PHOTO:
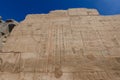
(74, 44)
(6, 28)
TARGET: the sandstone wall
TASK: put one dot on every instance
(74, 44)
(6, 28)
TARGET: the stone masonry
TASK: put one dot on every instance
(73, 44)
(6, 28)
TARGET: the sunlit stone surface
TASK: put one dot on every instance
(74, 44)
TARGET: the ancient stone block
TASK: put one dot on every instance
(77, 12)
(74, 44)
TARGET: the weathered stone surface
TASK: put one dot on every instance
(6, 28)
(74, 44)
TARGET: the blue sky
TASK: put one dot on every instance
(18, 9)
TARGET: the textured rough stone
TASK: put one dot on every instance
(5, 29)
(74, 44)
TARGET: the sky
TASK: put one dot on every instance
(18, 9)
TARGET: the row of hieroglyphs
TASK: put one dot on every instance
(32, 62)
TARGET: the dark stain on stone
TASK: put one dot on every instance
(73, 50)
(116, 68)
(58, 72)
(1, 61)
(118, 59)
(115, 41)
(91, 57)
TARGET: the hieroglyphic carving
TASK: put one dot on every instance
(10, 62)
(74, 44)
